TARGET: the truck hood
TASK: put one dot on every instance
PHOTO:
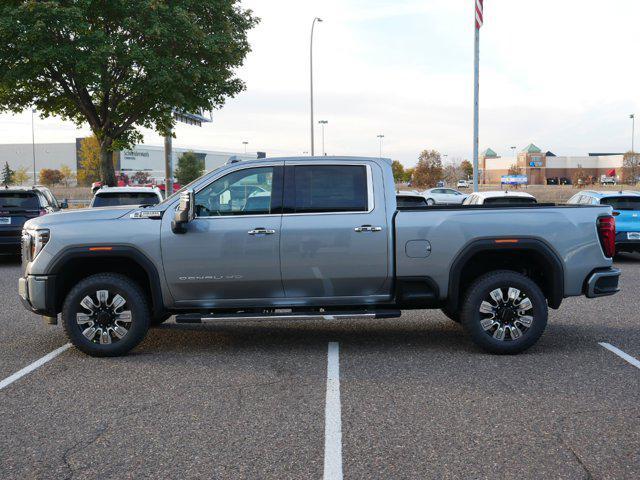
(81, 215)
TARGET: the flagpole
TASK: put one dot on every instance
(476, 91)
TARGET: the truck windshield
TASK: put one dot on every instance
(124, 198)
(622, 203)
(19, 200)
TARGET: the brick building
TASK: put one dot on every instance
(539, 166)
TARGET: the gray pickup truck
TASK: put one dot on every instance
(311, 238)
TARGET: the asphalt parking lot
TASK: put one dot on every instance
(406, 398)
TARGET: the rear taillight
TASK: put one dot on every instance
(607, 234)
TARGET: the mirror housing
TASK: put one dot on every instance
(185, 212)
(64, 204)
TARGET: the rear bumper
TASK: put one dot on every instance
(36, 294)
(602, 283)
(10, 238)
(623, 242)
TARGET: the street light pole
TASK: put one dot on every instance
(245, 147)
(33, 144)
(313, 24)
(633, 130)
(323, 123)
(380, 137)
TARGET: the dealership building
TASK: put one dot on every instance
(144, 158)
(540, 166)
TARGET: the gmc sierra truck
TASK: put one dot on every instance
(311, 238)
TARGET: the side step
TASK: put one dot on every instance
(330, 315)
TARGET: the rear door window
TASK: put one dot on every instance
(116, 199)
(622, 203)
(329, 189)
(19, 201)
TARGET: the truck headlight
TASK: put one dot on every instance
(33, 241)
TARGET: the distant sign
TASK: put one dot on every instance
(535, 164)
(514, 179)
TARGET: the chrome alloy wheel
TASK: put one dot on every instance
(106, 321)
(506, 318)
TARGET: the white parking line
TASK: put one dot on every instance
(30, 368)
(332, 417)
(625, 356)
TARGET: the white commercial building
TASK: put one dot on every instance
(146, 158)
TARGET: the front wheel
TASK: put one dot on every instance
(105, 315)
(431, 201)
(504, 312)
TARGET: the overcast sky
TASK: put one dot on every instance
(564, 74)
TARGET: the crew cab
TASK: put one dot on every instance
(313, 237)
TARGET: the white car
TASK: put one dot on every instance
(500, 197)
(410, 199)
(443, 196)
(116, 196)
(463, 184)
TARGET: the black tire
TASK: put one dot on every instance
(455, 316)
(135, 302)
(516, 336)
(431, 202)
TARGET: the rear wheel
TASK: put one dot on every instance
(504, 312)
(105, 315)
(431, 201)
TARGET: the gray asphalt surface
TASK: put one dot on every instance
(247, 401)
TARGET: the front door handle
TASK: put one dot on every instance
(261, 231)
(367, 228)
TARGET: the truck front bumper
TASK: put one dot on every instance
(36, 294)
(602, 283)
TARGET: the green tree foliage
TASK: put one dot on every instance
(398, 171)
(117, 65)
(467, 169)
(22, 175)
(7, 175)
(189, 168)
(50, 177)
(428, 171)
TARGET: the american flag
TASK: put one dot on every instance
(479, 14)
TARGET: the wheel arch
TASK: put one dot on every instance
(76, 263)
(530, 255)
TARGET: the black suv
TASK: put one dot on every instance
(19, 204)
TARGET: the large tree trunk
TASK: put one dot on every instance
(107, 170)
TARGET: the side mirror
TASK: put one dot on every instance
(64, 204)
(184, 213)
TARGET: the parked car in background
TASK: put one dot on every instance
(441, 184)
(444, 196)
(410, 199)
(463, 184)
(500, 197)
(19, 204)
(626, 211)
(606, 180)
(117, 196)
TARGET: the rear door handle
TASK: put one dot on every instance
(367, 228)
(261, 231)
